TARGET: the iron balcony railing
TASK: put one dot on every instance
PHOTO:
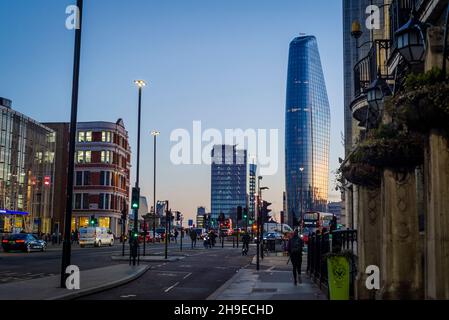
(372, 66)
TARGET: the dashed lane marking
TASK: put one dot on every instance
(168, 289)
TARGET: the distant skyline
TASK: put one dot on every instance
(220, 62)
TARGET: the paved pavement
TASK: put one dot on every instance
(274, 281)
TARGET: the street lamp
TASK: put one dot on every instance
(66, 250)
(154, 133)
(140, 84)
(300, 197)
(410, 40)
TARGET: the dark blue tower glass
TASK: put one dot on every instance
(307, 131)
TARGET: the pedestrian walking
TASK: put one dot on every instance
(294, 248)
(193, 237)
(176, 235)
(245, 246)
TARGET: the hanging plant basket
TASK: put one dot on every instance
(389, 147)
(362, 174)
(424, 103)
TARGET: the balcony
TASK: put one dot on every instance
(366, 71)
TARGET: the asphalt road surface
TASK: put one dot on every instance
(195, 277)
(19, 266)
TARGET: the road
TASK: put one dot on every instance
(18, 266)
(194, 278)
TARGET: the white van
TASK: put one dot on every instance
(95, 236)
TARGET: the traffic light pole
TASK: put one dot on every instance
(181, 234)
(66, 250)
(136, 211)
(167, 226)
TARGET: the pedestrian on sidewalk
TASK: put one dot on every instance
(294, 248)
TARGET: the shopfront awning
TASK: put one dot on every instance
(12, 213)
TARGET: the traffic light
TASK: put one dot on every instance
(135, 199)
(245, 214)
(92, 221)
(265, 211)
(178, 216)
(239, 213)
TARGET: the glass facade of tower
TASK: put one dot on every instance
(27, 157)
(307, 135)
(228, 181)
(252, 191)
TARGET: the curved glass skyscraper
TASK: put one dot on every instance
(307, 131)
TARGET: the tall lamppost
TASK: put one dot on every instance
(154, 133)
(140, 84)
(66, 250)
(258, 223)
(301, 170)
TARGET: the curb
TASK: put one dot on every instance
(142, 259)
(110, 285)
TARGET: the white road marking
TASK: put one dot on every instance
(168, 289)
(187, 275)
(128, 296)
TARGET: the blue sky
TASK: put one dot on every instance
(223, 62)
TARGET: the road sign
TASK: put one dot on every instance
(190, 222)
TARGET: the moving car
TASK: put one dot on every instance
(23, 242)
(95, 236)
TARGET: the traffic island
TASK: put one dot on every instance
(91, 281)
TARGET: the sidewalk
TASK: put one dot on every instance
(274, 281)
(91, 281)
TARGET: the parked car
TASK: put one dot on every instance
(23, 242)
(272, 236)
(95, 236)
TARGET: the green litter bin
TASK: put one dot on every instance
(338, 276)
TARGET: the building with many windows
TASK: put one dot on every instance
(252, 192)
(27, 154)
(307, 131)
(102, 173)
(228, 181)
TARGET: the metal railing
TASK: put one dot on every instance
(373, 65)
(336, 242)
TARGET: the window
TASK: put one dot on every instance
(85, 201)
(78, 197)
(106, 156)
(84, 157)
(79, 178)
(106, 136)
(104, 201)
(105, 178)
(86, 178)
(89, 136)
(84, 136)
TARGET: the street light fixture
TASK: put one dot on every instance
(154, 133)
(410, 40)
(300, 197)
(140, 84)
(66, 250)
